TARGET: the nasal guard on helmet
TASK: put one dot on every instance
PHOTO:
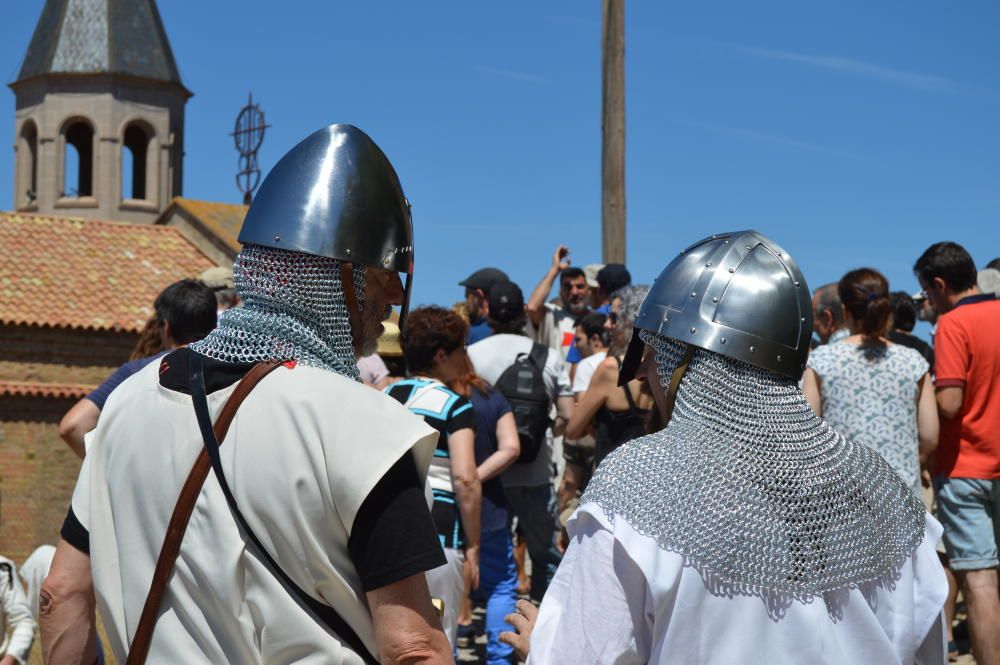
(335, 194)
(738, 294)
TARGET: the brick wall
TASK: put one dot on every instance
(37, 474)
(41, 344)
(37, 469)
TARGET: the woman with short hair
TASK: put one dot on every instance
(434, 348)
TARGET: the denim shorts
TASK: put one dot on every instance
(969, 510)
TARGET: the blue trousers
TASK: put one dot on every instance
(498, 586)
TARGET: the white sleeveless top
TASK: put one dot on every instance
(872, 399)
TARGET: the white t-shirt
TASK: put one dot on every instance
(303, 452)
(618, 597)
(34, 571)
(490, 357)
(585, 371)
(372, 369)
(557, 329)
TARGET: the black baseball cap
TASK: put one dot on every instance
(613, 276)
(506, 301)
(484, 278)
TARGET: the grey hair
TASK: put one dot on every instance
(828, 300)
(631, 298)
(988, 280)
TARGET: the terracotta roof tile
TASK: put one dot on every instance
(75, 273)
(222, 219)
(34, 389)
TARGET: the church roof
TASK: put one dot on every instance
(222, 220)
(74, 273)
(100, 37)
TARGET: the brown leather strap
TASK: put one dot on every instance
(350, 297)
(182, 514)
(675, 383)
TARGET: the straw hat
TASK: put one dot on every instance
(389, 343)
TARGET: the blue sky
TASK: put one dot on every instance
(852, 133)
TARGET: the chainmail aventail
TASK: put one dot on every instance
(753, 488)
(293, 309)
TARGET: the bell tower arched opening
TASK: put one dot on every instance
(26, 195)
(136, 171)
(78, 159)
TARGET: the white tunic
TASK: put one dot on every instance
(304, 451)
(620, 598)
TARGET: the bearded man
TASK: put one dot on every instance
(285, 545)
(747, 530)
(554, 323)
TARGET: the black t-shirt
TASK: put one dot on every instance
(447, 413)
(394, 536)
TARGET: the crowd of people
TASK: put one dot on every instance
(675, 473)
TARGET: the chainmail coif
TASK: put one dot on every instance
(754, 489)
(293, 309)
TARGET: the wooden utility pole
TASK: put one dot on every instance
(613, 131)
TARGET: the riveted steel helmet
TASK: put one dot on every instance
(335, 194)
(737, 294)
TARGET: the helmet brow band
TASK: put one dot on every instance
(675, 382)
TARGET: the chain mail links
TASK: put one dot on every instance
(754, 489)
(293, 309)
(358, 273)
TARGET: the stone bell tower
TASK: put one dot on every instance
(99, 122)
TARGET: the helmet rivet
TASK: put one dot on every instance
(348, 252)
(722, 340)
(732, 270)
(644, 315)
(803, 319)
(277, 238)
(692, 331)
(796, 283)
(753, 349)
(715, 300)
(748, 246)
(708, 265)
(693, 294)
(779, 359)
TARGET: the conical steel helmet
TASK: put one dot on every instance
(335, 194)
(737, 294)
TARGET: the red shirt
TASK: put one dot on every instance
(967, 355)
